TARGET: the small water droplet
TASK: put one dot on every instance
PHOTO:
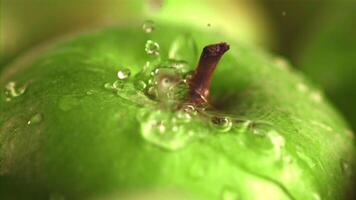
(229, 194)
(148, 26)
(165, 129)
(13, 91)
(190, 109)
(284, 13)
(222, 124)
(35, 119)
(152, 48)
(123, 74)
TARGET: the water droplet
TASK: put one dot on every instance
(165, 129)
(284, 13)
(229, 194)
(123, 74)
(13, 91)
(152, 48)
(346, 168)
(35, 119)
(263, 138)
(148, 26)
(222, 124)
(190, 109)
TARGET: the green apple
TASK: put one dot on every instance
(50, 19)
(328, 56)
(115, 114)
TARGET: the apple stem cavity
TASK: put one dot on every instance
(199, 84)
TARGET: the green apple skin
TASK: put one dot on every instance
(329, 56)
(89, 143)
(52, 19)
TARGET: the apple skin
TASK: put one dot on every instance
(89, 144)
(328, 56)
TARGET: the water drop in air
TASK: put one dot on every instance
(148, 26)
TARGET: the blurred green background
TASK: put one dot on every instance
(316, 36)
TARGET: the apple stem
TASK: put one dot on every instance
(199, 84)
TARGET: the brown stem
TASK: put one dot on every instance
(199, 85)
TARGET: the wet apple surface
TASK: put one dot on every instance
(102, 115)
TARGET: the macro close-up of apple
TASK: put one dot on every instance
(167, 109)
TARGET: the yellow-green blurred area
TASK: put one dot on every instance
(317, 36)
